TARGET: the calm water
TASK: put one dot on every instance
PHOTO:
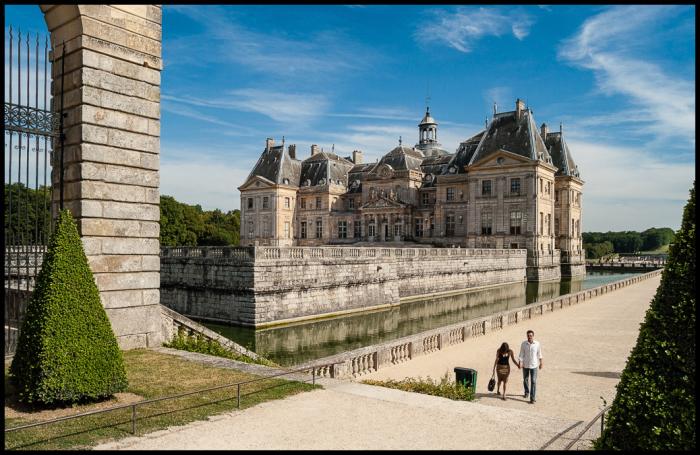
(293, 344)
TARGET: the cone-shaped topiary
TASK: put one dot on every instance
(67, 351)
(654, 408)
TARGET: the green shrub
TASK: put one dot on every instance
(197, 343)
(444, 388)
(67, 351)
(654, 408)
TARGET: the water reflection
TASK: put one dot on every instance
(293, 344)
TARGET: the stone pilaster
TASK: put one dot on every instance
(111, 153)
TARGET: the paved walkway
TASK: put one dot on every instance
(584, 348)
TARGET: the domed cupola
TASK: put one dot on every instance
(427, 136)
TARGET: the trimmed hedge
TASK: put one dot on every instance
(654, 408)
(67, 351)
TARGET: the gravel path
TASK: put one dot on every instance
(585, 347)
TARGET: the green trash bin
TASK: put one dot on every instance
(466, 376)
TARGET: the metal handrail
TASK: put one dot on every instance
(601, 416)
(154, 400)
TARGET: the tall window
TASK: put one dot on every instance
(266, 202)
(319, 228)
(541, 222)
(342, 229)
(549, 224)
(541, 185)
(302, 234)
(516, 219)
(286, 229)
(250, 202)
(318, 202)
(370, 229)
(302, 201)
(556, 225)
(450, 225)
(266, 227)
(251, 230)
(424, 199)
(397, 229)
(556, 195)
(286, 203)
(357, 226)
(486, 187)
(351, 203)
(450, 194)
(486, 223)
(572, 227)
(578, 228)
(419, 227)
(515, 186)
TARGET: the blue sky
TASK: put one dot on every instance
(621, 79)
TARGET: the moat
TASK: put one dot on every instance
(296, 343)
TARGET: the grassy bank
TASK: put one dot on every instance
(151, 375)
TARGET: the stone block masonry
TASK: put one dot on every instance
(263, 286)
(111, 82)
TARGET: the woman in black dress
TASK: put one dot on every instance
(502, 367)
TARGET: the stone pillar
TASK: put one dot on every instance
(112, 129)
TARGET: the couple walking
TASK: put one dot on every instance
(530, 359)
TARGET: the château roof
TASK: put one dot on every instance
(276, 165)
(561, 156)
(515, 133)
(324, 167)
(403, 158)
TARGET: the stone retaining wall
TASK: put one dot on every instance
(365, 360)
(259, 286)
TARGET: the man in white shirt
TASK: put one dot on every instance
(530, 360)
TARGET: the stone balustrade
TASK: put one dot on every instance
(360, 361)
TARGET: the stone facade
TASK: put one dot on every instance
(510, 186)
(112, 145)
(261, 286)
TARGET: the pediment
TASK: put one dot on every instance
(382, 203)
(500, 158)
(255, 182)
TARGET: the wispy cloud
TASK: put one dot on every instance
(312, 55)
(283, 107)
(464, 27)
(612, 45)
(626, 188)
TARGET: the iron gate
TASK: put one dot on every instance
(32, 129)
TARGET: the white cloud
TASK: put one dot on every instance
(628, 188)
(208, 181)
(463, 28)
(289, 108)
(612, 45)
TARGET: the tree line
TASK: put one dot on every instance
(27, 217)
(599, 244)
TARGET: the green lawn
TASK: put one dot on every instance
(151, 375)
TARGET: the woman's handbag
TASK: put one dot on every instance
(492, 383)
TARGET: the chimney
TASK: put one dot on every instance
(314, 149)
(357, 156)
(292, 151)
(544, 131)
(519, 106)
(269, 143)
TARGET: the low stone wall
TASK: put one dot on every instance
(260, 286)
(365, 360)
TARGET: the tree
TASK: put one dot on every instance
(654, 408)
(67, 351)
(188, 225)
(28, 220)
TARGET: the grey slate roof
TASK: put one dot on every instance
(435, 165)
(276, 165)
(516, 135)
(318, 169)
(561, 155)
(403, 158)
(466, 151)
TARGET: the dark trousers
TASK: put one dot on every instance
(530, 375)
